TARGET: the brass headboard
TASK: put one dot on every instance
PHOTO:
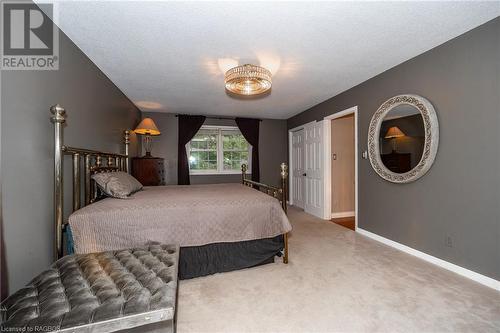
(93, 162)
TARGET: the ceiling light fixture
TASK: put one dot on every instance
(248, 80)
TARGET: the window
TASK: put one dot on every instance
(218, 150)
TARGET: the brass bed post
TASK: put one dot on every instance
(76, 182)
(87, 179)
(94, 191)
(126, 141)
(58, 118)
(284, 182)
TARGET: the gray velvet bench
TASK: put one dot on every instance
(131, 290)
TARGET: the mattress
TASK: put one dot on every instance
(192, 215)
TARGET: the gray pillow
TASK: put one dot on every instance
(117, 184)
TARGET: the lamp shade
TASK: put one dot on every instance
(394, 132)
(147, 126)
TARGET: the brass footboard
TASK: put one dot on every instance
(279, 193)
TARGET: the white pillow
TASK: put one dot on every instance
(117, 184)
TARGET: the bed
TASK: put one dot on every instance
(219, 227)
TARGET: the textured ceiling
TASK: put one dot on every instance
(170, 56)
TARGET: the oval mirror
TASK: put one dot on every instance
(403, 138)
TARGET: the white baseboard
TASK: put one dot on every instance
(484, 280)
(343, 214)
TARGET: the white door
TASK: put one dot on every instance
(313, 163)
(298, 168)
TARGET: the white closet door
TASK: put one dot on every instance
(313, 162)
(298, 168)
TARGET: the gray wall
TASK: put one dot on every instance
(272, 149)
(459, 197)
(97, 111)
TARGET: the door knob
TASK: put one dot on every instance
(334, 157)
(304, 174)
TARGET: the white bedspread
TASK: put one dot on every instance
(185, 215)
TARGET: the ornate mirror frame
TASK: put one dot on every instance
(431, 141)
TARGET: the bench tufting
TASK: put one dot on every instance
(98, 292)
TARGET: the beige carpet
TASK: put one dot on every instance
(337, 281)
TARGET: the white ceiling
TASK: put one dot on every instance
(170, 55)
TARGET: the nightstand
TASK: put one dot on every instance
(150, 171)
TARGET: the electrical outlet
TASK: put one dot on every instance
(448, 241)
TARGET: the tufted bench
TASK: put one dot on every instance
(130, 290)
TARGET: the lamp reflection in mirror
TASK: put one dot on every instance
(147, 127)
(394, 133)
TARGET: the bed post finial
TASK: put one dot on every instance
(58, 114)
(284, 170)
(126, 141)
(284, 183)
(58, 118)
(243, 172)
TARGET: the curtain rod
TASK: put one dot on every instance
(214, 117)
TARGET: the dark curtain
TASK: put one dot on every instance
(188, 127)
(250, 130)
(4, 286)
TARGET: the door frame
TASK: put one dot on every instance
(327, 176)
(290, 159)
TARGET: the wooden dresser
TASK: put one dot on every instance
(397, 162)
(150, 171)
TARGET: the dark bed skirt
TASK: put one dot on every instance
(195, 261)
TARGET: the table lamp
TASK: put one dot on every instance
(148, 128)
(394, 133)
